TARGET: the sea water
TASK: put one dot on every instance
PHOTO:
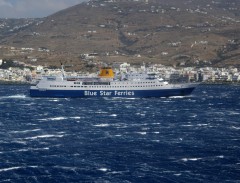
(177, 139)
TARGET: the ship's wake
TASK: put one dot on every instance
(14, 97)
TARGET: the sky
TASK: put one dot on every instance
(33, 8)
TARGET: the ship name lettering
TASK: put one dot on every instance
(90, 93)
(105, 93)
(124, 93)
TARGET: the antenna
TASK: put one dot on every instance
(62, 70)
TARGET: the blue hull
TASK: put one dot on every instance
(111, 93)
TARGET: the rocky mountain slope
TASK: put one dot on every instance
(172, 32)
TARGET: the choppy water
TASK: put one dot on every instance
(179, 139)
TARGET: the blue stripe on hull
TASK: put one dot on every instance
(111, 93)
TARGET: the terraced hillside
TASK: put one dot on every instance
(173, 32)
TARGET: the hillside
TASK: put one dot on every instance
(172, 32)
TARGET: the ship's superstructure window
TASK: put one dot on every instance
(57, 86)
(96, 83)
(51, 78)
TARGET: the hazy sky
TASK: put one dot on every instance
(33, 8)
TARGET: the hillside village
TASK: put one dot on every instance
(206, 33)
(23, 73)
(205, 45)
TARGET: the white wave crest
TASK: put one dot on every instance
(77, 117)
(190, 159)
(53, 119)
(102, 125)
(103, 169)
(14, 96)
(15, 168)
(142, 133)
(44, 136)
(9, 169)
(25, 131)
(236, 128)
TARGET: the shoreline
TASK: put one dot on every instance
(14, 83)
(220, 83)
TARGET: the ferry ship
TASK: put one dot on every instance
(132, 85)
